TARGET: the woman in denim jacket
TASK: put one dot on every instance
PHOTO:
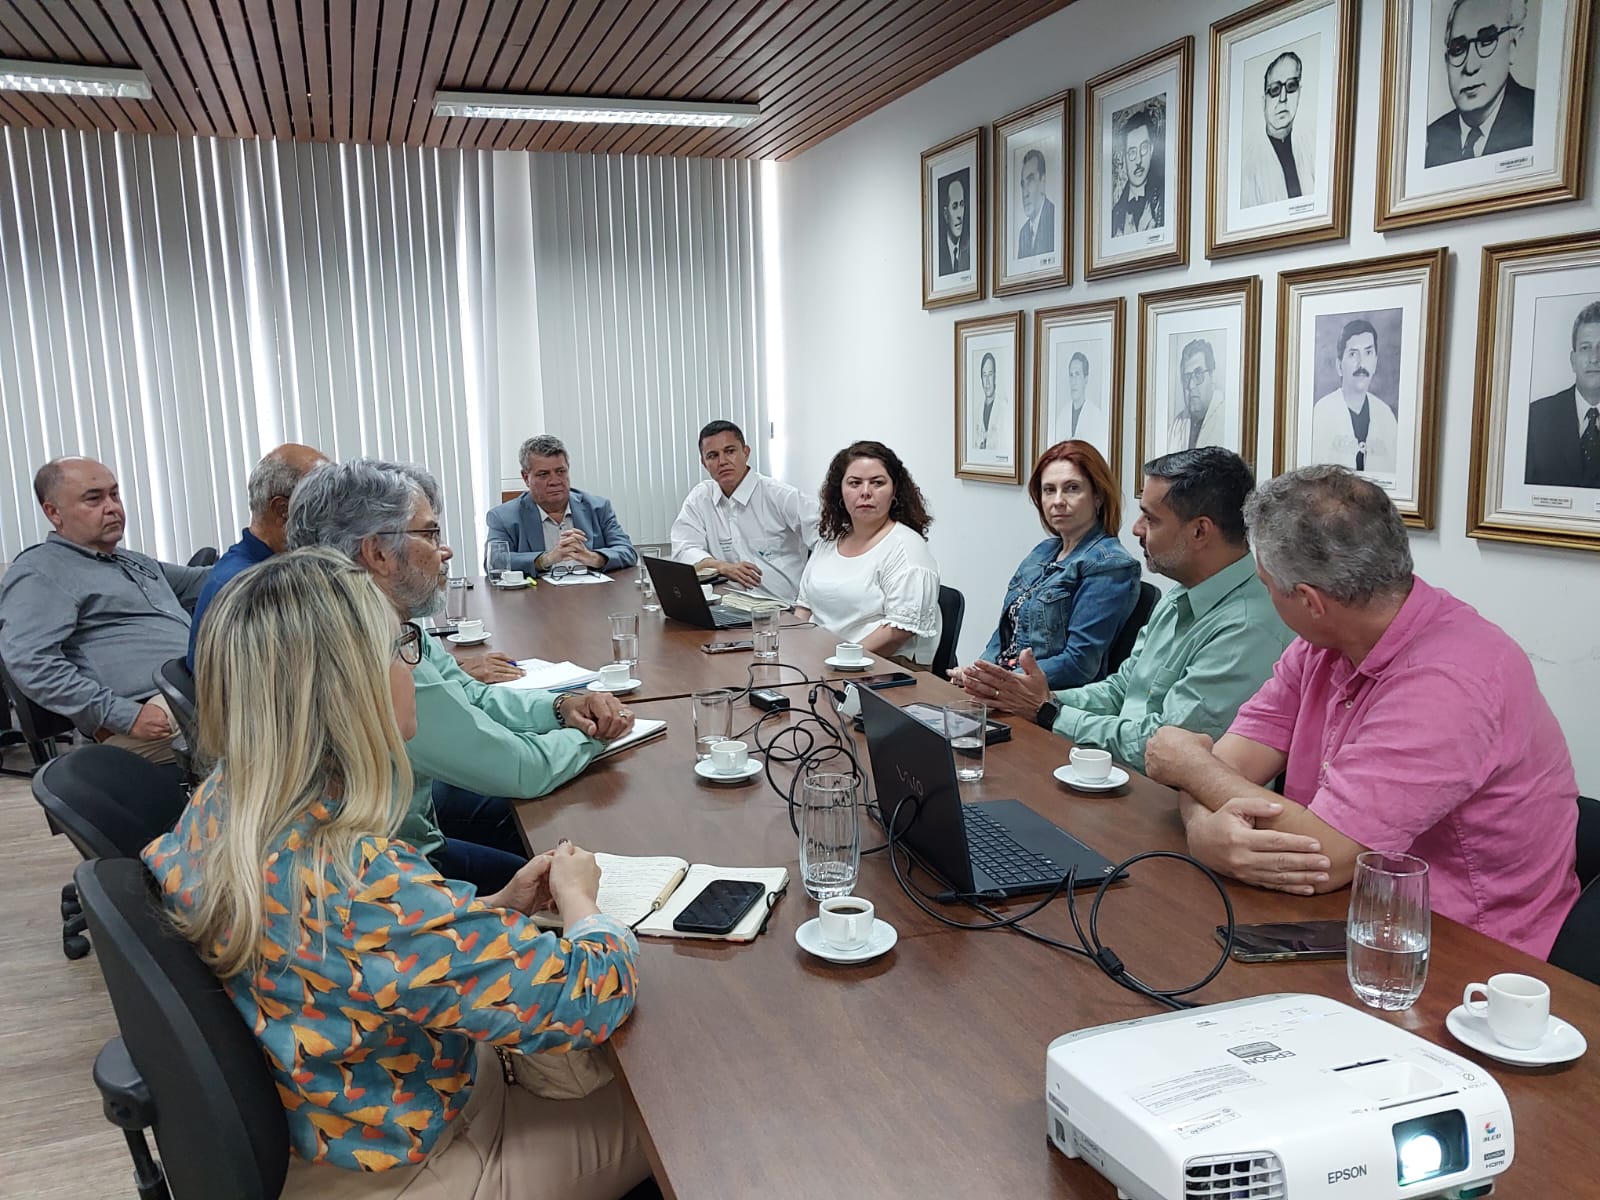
(1072, 594)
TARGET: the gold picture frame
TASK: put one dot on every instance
(952, 266)
(1215, 329)
(1431, 165)
(988, 376)
(1358, 373)
(1123, 233)
(1257, 197)
(1080, 346)
(1534, 301)
(1033, 147)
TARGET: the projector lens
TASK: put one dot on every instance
(1421, 1156)
(1431, 1146)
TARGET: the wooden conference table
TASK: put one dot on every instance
(760, 1070)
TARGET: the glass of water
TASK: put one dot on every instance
(764, 624)
(964, 724)
(830, 834)
(713, 719)
(647, 590)
(455, 601)
(1389, 930)
(625, 638)
(496, 558)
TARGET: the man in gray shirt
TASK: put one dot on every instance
(84, 625)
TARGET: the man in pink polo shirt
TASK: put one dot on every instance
(1404, 722)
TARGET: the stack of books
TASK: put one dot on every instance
(747, 601)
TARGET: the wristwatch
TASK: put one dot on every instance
(560, 700)
(1045, 718)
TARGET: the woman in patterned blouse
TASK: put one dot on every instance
(380, 992)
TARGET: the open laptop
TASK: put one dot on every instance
(994, 848)
(682, 599)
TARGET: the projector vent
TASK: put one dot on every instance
(1239, 1177)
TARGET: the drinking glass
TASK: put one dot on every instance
(647, 589)
(830, 834)
(764, 623)
(625, 638)
(964, 725)
(496, 558)
(1389, 929)
(455, 600)
(713, 719)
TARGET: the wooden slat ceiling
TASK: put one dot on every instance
(367, 70)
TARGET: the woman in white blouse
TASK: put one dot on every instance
(871, 578)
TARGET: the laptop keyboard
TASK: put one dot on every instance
(726, 619)
(1000, 856)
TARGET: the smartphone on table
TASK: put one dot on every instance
(719, 907)
(1285, 941)
(727, 647)
(885, 679)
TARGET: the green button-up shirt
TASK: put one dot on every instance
(1203, 653)
(495, 741)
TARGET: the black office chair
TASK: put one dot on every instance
(1577, 947)
(952, 610)
(1122, 645)
(1588, 840)
(206, 556)
(110, 803)
(42, 730)
(175, 682)
(186, 1065)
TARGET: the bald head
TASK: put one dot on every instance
(271, 484)
(81, 499)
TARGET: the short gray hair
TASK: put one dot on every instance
(545, 445)
(273, 476)
(1327, 527)
(342, 504)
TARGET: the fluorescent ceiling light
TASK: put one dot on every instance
(69, 79)
(592, 110)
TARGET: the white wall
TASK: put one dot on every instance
(864, 360)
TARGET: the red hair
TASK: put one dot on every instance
(1094, 468)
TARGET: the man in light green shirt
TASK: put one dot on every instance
(1210, 643)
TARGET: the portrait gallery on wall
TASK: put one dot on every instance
(988, 373)
(953, 221)
(1357, 384)
(1033, 186)
(1536, 415)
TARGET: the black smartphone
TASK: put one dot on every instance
(885, 679)
(1284, 941)
(727, 647)
(720, 906)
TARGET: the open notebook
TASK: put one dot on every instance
(647, 893)
(643, 730)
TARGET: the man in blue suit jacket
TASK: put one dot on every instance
(553, 522)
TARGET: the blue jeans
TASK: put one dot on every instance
(481, 842)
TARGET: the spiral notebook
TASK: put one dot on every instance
(648, 893)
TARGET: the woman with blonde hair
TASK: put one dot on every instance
(378, 989)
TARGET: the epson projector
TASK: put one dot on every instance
(1283, 1097)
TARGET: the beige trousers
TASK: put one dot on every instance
(157, 751)
(508, 1144)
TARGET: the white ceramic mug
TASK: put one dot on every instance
(845, 922)
(1516, 1007)
(469, 631)
(848, 652)
(1091, 766)
(729, 758)
(614, 675)
(512, 579)
(709, 592)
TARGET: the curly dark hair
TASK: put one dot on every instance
(908, 508)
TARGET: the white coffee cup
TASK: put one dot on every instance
(614, 675)
(845, 921)
(469, 631)
(1517, 1008)
(848, 652)
(1091, 766)
(729, 758)
(709, 592)
(512, 578)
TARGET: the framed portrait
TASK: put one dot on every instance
(1357, 382)
(1077, 377)
(953, 221)
(1199, 358)
(1484, 105)
(989, 398)
(1283, 81)
(1536, 415)
(1033, 189)
(1136, 197)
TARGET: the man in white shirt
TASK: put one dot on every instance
(751, 528)
(1350, 427)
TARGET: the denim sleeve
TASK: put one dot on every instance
(1100, 607)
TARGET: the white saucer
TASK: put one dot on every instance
(1562, 1043)
(884, 936)
(631, 685)
(1068, 776)
(477, 641)
(705, 770)
(512, 587)
(860, 665)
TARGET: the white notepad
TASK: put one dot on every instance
(541, 676)
(648, 893)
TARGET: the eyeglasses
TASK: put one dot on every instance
(1287, 87)
(1195, 377)
(1142, 150)
(433, 533)
(408, 646)
(1486, 40)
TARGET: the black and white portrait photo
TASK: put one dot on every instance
(1077, 379)
(1564, 426)
(1197, 413)
(988, 398)
(1355, 422)
(1137, 198)
(1032, 190)
(1279, 154)
(1481, 79)
(953, 221)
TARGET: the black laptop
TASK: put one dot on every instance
(994, 848)
(682, 599)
